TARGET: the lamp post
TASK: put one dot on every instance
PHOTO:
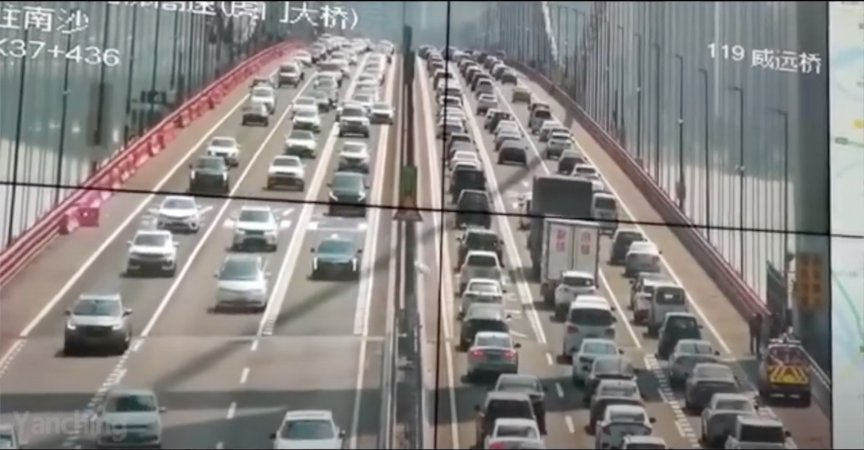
(681, 186)
(621, 71)
(607, 114)
(741, 171)
(129, 77)
(16, 153)
(639, 98)
(707, 169)
(657, 88)
(784, 116)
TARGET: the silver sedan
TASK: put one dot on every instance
(493, 353)
(688, 353)
(718, 419)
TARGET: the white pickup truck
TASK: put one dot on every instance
(758, 432)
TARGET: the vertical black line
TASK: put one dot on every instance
(61, 146)
(19, 123)
(639, 91)
(658, 86)
(98, 132)
(187, 88)
(682, 186)
(130, 77)
(174, 49)
(741, 170)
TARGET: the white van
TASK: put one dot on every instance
(589, 316)
(604, 208)
(667, 297)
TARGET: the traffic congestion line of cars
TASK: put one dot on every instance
(101, 321)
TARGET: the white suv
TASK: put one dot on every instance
(256, 226)
(155, 250)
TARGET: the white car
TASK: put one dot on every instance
(179, 213)
(286, 170)
(265, 95)
(9, 436)
(463, 155)
(573, 284)
(226, 148)
(301, 143)
(642, 256)
(307, 119)
(256, 227)
(591, 349)
(155, 250)
(354, 156)
(585, 171)
(242, 283)
(354, 120)
(486, 102)
(481, 290)
(505, 428)
(688, 353)
(303, 57)
(129, 409)
(365, 100)
(620, 421)
(309, 103)
(382, 113)
(346, 104)
(479, 264)
(310, 429)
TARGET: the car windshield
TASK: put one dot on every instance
(578, 281)
(305, 101)
(542, 114)
(347, 181)
(303, 135)
(599, 348)
(179, 203)
(362, 98)
(627, 416)
(353, 147)
(695, 348)
(353, 111)
(262, 92)
(613, 365)
(222, 142)
(307, 113)
(288, 68)
(521, 431)
(482, 261)
(618, 390)
(131, 403)
(519, 384)
(480, 240)
(255, 215)
(308, 430)
(237, 269)
(286, 162)
(336, 246)
(97, 307)
(591, 317)
(210, 163)
(151, 239)
(484, 287)
(712, 372)
(734, 405)
(492, 340)
(381, 106)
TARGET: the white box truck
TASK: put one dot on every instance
(567, 245)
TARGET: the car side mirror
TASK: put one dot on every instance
(620, 351)
(268, 274)
(631, 281)
(517, 345)
(787, 434)
(311, 250)
(329, 184)
(477, 409)
(190, 166)
(162, 409)
(273, 436)
(716, 353)
(700, 326)
(67, 312)
(127, 312)
(129, 243)
(215, 274)
(359, 251)
(652, 420)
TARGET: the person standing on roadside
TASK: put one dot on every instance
(755, 333)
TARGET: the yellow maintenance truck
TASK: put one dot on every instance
(784, 370)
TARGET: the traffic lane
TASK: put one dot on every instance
(197, 293)
(17, 294)
(143, 294)
(509, 178)
(333, 306)
(326, 380)
(724, 318)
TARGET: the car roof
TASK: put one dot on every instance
(106, 296)
(578, 273)
(256, 208)
(607, 382)
(491, 334)
(623, 407)
(730, 396)
(308, 414)
(484, 280)
(481, 253)
(485, 311)
(516, 421)
(153, 233)
(518, 377)
(241, 257)
(598, 341)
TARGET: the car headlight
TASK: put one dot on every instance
(270, 232)
(333, 197)
(117, 326)
(70, 325)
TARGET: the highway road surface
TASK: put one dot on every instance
(533, 324)
(225, 379)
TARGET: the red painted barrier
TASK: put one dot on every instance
(82, 208)
(745, 300)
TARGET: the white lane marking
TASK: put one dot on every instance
(132, 216)
(518, 334)
(569, 421)
(10, 356)
(254, 346)
(289, 262)
(668, 396)
(244, 375)
(549, 359)
(621, 312)
(137, 345)
(113, 379)
(204, 240)
(220, 445)
(690, 298)
(505, 229)
(559, 390)
(370, 256)
(232, 409)
(443, 260)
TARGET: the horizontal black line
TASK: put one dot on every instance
(427, 210)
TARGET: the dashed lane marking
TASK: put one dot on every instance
(10, 355)
(232, 409)
(569, 421)
(559, 390)
(112, 380)
(220, 445)
(316, 226)
(668, 396)
(549, 359)
(244, 376)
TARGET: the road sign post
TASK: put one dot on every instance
(408, 196)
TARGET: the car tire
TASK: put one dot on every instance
(272, 248)
(171, 272)
(341, 134)
(302, 187)
(266, 123)
(805, 400)
(68, 349)
(243, 123)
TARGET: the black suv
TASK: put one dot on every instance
(348, 193)
(472, 208)
(255, 112)
(209, 173)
